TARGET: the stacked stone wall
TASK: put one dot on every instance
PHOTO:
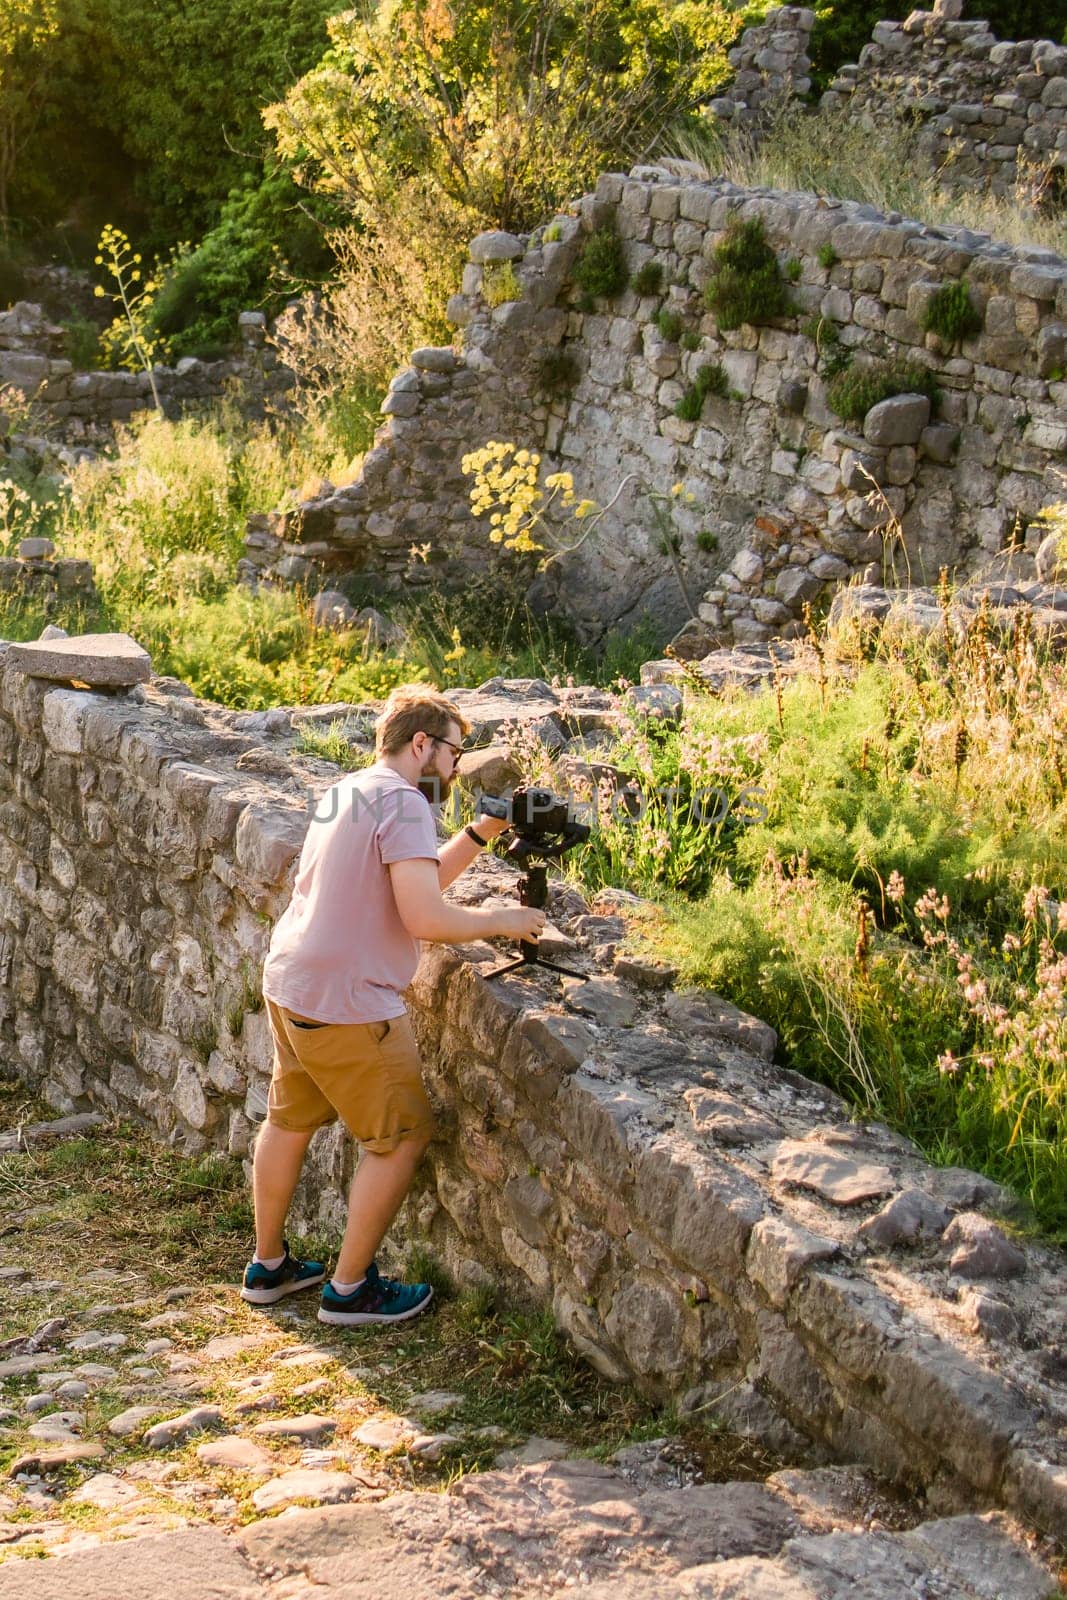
(787, 500)
(993, 113)
(84, 407)
(622, 1152)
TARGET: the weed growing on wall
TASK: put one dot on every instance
(600, 270)
(500, 283)
(747, 285)
(711, 378)
(852, 392)
(952, 314)
(556, 371)
(648, 279)
(669, 324)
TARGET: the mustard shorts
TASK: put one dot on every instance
(367, 1073)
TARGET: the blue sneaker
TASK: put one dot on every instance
(262, 1287)
(377, 1299)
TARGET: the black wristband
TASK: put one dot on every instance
(471, 834)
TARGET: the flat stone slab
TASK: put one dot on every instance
(306, 1483)
(61, 1127)
(188, 1564)
(101, 660)
(309, 1429)
(175, 1430)
(841, 1179)
(51, 1460)
(131, 1419)
(233, 1451)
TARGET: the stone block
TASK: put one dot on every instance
(104, 660)
(268, 840)
(780, 1252)
(63, 714)
(896, 421)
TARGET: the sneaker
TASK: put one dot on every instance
(378, 1299)
(262, 1287)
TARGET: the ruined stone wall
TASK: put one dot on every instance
(83, 407)
(787, 501)
(994, 113)
(625, 1153)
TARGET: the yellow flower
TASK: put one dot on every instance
(584, 508)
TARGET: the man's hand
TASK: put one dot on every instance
(519, 922)
(490, 827)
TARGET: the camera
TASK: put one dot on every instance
(540, 819)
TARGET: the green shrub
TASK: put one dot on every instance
(690, 339)
(648, 279)
(747, 286)
(601, 268)
(500, 283)
(711, 378)
(793, 268)
(556, 371)
(852, 392)
(669, 324)
(826, 256)
(268, 235)
(952, 314)
(707, 541)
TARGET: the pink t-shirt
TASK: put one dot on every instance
(339, 952)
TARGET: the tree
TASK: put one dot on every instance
(36, 40)
(502, 109)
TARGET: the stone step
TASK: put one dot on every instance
(563, 1526)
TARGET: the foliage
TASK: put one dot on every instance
(34, 47)
(268, 237)
(826, 256)
(648, 279)
(601, 266)
(556, 371)
(710, 378)
(852, 392)
(746, 285)
(792, 269)
(129, 341)
(669, 324)
(500, 283)
(505, 108)
(951, 313)
(879, 875)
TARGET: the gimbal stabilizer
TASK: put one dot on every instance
(542, 827)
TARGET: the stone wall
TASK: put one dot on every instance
(698, 1219)
(83, 407)
(771, 65)
(791, 501)
(994, 113)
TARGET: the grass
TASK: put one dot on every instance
(871, 859)
(828, 154)
(163, 521)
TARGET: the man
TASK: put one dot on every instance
(368, 889)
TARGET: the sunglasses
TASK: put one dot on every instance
(456, 749)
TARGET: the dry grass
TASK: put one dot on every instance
(828, 154)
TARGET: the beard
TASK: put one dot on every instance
(431, 784)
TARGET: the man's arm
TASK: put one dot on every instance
(457, 855)
(425, 915)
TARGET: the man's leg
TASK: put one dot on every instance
(279, 1156)
(379, 1186)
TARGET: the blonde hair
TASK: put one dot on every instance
(415, 708)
